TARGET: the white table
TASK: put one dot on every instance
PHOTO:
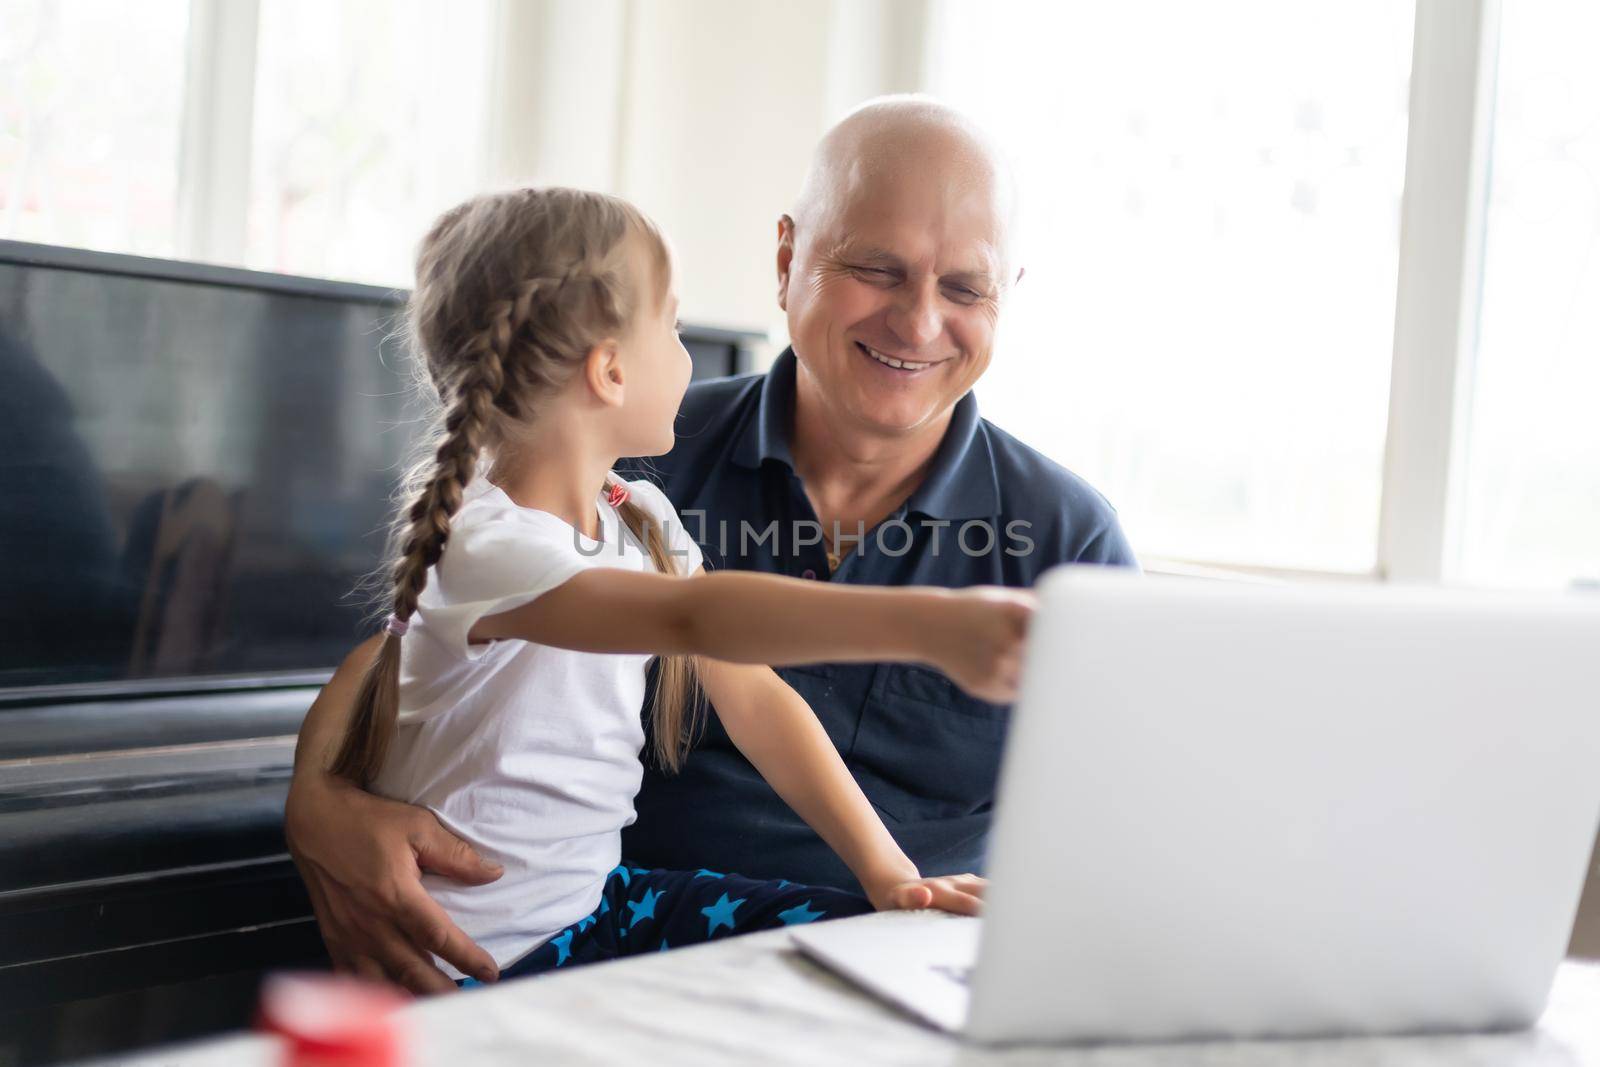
(754, 1000)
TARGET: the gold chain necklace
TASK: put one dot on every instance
(830, 550)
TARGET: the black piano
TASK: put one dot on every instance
(195, 465)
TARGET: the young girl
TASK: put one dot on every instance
(531, 587)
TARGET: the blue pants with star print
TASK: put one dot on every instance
(651, 911)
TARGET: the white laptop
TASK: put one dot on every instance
(1249, 810)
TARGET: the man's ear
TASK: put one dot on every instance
(785, 258)
(602, 373)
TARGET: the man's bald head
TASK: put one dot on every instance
(893, 268)
(884, 140)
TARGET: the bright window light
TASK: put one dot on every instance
(369, 122)
(1210, 225)
(90, 122)
(1532, 514)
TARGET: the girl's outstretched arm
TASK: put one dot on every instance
(777, 732)
(973, 635)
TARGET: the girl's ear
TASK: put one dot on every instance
(602, 373)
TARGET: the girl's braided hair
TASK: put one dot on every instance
(513, 290)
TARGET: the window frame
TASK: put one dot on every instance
(1449, 134)
(1438, 281)
(1443, 219)
(219, 86)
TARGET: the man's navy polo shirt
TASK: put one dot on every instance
(925, 753)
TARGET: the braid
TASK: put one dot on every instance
(456, 459)
(466, 424)
(513, 289)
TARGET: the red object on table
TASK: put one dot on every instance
(328, 1021)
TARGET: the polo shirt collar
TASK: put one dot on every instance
(766, 435)
(961, 483)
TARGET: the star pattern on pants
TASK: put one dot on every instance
(720, 914)
(563, 944)
(801, 914)
(643, 908)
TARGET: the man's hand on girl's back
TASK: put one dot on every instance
(362, 859)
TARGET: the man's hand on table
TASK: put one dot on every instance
(362, 859)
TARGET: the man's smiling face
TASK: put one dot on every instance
(892, 276)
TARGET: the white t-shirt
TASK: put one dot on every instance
(527, 752)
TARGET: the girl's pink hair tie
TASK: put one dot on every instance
(618, 495)
(394, 624)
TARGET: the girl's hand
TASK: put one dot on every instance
(976, 638)
(960, 894)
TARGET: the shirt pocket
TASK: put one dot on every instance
(834, 692)
(926, 749)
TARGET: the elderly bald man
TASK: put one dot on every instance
(859, 457)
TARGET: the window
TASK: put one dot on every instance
(368, 123)
(1311, 286)
(1532, 498)
(1210, 218)
(89, 127)
(322, 138)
